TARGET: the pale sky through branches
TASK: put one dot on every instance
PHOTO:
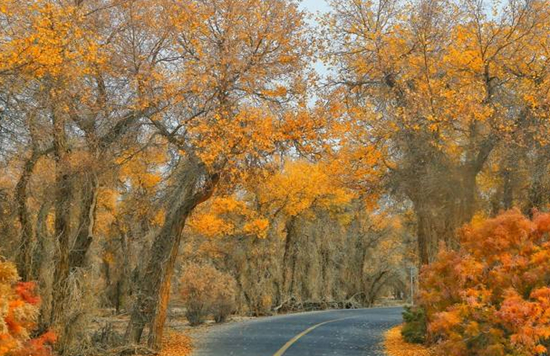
(315, 5)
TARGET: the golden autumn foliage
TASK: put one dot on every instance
(51, 40)
(228, 216)
(437, 92)
(302, 186)
(297, 189)
(492, 297)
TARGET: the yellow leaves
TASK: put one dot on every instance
(478, 219)
(279, 91)
(142, 169)
(176, 344)
(406, 81)
(360, 167)
(106, 209)
(51, 40)
(395, 345)
(258, 227)
(107, 199)
(302, 185)
(227, 216)
(234, 136)
(472, 328)
(464, 52)
(210, 225)
(159, 218)
(531, 100)
(298, 189)
(8, 273)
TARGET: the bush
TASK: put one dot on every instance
(19, 308)
(204, 291)
(492, 297)
(224, 303)
(415, 329)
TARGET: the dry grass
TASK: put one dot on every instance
(396, 346)
(177, 344)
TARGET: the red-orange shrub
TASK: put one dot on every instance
(18, 314)
(492, 298)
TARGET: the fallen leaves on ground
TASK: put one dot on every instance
(396, 346)
(177, 344)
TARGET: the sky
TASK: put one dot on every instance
(315, 5)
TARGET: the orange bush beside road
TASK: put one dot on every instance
(492, 296)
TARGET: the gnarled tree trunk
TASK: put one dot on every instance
(155, 281)
(84, 237)
(443, 208)
(24, 256)
(62, 223)
(289, 259)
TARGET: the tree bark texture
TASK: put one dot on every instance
(154, 285)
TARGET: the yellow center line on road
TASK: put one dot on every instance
(303, 333)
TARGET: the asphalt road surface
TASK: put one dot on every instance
(336, 333)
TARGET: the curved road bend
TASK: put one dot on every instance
(357, 332)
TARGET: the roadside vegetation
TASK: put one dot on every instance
(491, 296)
(173, 163)
(396, 345)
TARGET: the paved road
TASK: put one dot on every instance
(334, 333)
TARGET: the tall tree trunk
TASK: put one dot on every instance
(154, 285)
(288, 258)
(42, 261)
(440, 214)
(42, 238)
(62, 223)
(24, 256)
(84, 237)
(508, 178)
(537, 190)
(425, 236)
(159, 318)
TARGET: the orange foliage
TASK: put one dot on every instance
(228, 216)
(492, 296)
(297, 188)
(301, 186)
(395, 345)
(18, 314)
(177, 344)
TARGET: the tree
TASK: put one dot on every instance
(236, 67)
(294, 193)
(337, 251)
(75, 85)
(437, 86)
